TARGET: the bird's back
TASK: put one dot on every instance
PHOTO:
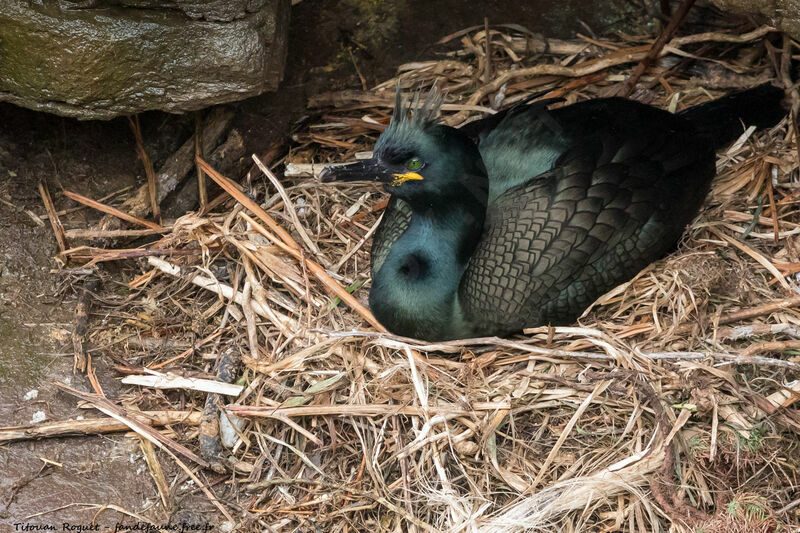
(624, 181)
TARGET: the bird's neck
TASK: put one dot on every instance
(415, 291)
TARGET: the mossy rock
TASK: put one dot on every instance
(104, 58)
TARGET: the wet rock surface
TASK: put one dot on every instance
(213, 10)
(105, 58)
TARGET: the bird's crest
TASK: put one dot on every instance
(423, 114)
(410, 119)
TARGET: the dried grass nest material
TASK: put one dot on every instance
(668, 407)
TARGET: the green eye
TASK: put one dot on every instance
(414, 163)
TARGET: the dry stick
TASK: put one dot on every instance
(655, 50)
(152, 185)
(756, 330)
(94, 426)
(198, 154)
(55, 222)
(270, 156)
(231, 188)
(113, 211)
(98, 255)
(772, 346)
(367, 410)
(290, 245)
(112, 233)
(776, 229)
(168, 381)
(156, 472)
(189, 351)
(346, 257)
(101, 199)
(288, 204)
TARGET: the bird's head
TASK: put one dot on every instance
(419, 159)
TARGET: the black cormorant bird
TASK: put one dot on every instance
(526, 217)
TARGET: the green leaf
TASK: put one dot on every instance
(350, 288)
(295, 401)
(324, 384)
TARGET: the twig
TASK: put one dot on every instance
(772, 346)
(95, 426)
(55, 222)
(288, 206)
(166, 381)
(346, 257)
(755, 255)
(112, 234)
(231, 188)
(156, 472)
(199, 154)
(152, 184)
(658, 45)
(598, 389)
(113, 211)
(752, 330)
(746, 314)
(189, 350)
(99, 255)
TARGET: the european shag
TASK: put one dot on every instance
(526, 217)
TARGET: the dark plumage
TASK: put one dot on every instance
(525, 218)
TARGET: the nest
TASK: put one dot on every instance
(669, 406)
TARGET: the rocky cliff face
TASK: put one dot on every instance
(98, 59)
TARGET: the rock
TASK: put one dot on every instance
(97, 59)
(212, 10)
(783, 14)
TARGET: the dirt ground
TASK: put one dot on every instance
(97, 159)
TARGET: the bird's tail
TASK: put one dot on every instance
(724, 119)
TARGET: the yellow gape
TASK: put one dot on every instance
(401, 178)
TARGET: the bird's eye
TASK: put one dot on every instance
(415, 163)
